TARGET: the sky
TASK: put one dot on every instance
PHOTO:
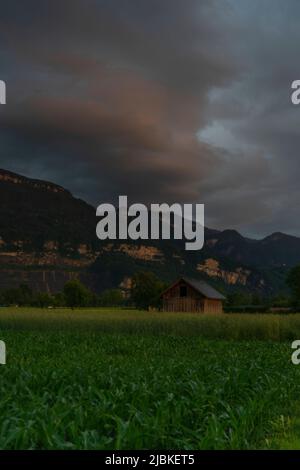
(163, 101)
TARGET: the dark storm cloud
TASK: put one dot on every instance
(255, 119)
(162, 100)
(117, 90)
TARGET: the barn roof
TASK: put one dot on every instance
(202, 287)
(205, 289)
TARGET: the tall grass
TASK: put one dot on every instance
(222, 326)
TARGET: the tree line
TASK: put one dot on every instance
(145, 293)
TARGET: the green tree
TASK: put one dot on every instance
(22, 295)
(293, 281)
(146, 290)
(43, 299)
(9, 296)
(25, 295)
(76, 294)
(111, 298)
(238, 298)
(59, 300)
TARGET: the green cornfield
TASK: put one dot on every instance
(125, 379)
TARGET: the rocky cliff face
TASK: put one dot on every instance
(212, 268)
(47, 237)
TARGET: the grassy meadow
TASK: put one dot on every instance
(125, 379)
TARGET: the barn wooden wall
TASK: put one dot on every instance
(213, 306)
(194, 302)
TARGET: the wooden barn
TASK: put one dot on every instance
(190, 295)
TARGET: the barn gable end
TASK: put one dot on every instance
(189, 295)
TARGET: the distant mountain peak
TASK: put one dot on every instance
(14, 178)
(279, 236)
(232, 234)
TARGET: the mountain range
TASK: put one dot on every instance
(47, 236)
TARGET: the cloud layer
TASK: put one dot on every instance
(163, 101)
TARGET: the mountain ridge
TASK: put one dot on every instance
(15, 178)
(43, 225)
